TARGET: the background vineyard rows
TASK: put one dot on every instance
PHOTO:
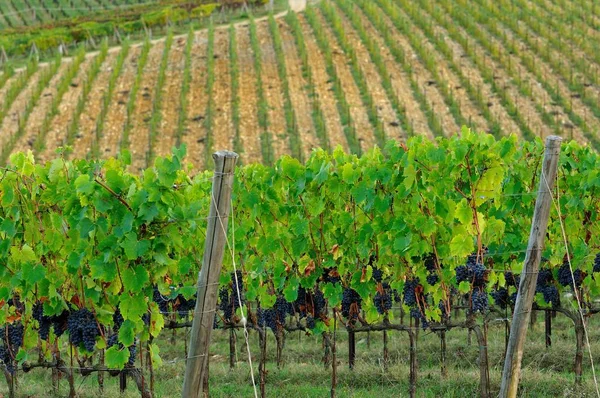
(346, 72)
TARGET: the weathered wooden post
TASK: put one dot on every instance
(522, 311)
(208, 279)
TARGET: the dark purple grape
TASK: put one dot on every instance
(349, 297)
(408, 293)
(479, 300)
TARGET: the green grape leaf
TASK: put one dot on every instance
(127, 333)
(116, 358)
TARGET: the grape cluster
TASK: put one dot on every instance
(83, 329)
(501, 297)
(114, 340)
(472, 271)
(184, 306)
(408, 293)
(272, 317)
(432, 278)
(235, 288)
(310, 322)
(565, 278)
(551, 295)
(479, 299)
(512, 279)
(59, 323)
(318, 303)
(429, 262)
(349, 297)
(44, 321)
(300, 303)
(225, 304)
(12, 337)
(330, 275)
(416, 313)
(596, 263)
(377, 274)
(383, 302)
(160, 300)
(117, 320)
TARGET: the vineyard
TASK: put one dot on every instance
(419, 238)
(353, 73)
(381, 213)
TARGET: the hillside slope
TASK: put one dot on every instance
(345, 72)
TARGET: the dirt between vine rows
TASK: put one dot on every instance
(323, 89)
(250, 140)
(579, 108)
(469, 110)
(57, 132)
(87, 120)
(424, 81)
(117, 111)
(385, 111)
(11, 119)
(140, 133)
(167, 130)
(472, 73)
(37, 115)
(273, 93)
(222, 129)
(194, 134)
(364, 129)
(400, 81)
(298, 95)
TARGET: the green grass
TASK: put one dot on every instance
(546, 372)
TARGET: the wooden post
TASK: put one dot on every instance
(231, 348)
(521, 313)
(443, 366)
(413, 364)
(386, 355)
(351, 348)
(548, 319)
(122, 381)
(208, 278)
(262, 366)
(101, 374)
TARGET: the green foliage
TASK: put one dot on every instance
(91, 232)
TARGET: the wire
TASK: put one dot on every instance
(231, 249)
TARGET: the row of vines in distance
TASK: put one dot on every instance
(365, 72)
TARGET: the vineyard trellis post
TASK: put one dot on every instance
(526, 292)
(208, 279)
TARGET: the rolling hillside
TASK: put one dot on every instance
(343, 72)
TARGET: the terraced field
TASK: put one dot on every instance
(353, 73)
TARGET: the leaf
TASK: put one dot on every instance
(116, 358)
(462, 243)
(463, 212)
(126, 333)
(83, 185)
(135, 279)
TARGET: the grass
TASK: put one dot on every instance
(546, 372)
